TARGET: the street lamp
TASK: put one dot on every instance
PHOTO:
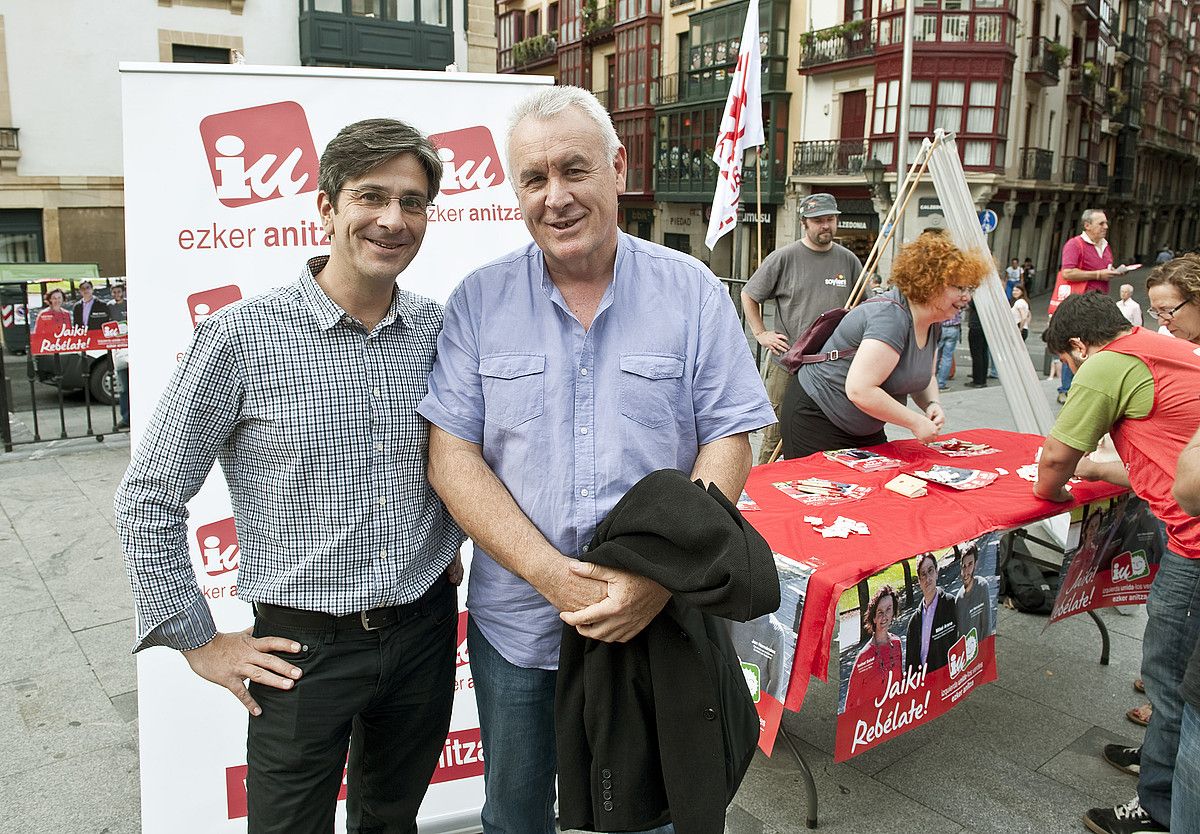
(874, 171)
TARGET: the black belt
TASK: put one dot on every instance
(372, 620)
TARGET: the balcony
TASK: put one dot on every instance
(694, 87)
(597, 22)
(1045, 63)
(844, 42)
(1084, 172)
(1075, 171)
(335, 39)
(1036, 164)
(10, 150)
(534, 52)
(1082, 85)
(1087, 8)
(829, 157)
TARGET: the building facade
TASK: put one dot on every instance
(61, 186)
(1056, 106)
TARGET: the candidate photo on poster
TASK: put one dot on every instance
(967, 586)
(768, 643)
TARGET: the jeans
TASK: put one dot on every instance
(516, 723)
(1185, 790)
(123, 393)
(1172, 628)
(386, 694)
(1066, 376)
(951, 333)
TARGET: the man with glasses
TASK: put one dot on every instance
(1141, 388)
(307, 395)
(1087, 259)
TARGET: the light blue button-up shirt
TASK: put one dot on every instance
(569, 419)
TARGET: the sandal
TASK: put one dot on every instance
(1138, 685)
(1140, 715)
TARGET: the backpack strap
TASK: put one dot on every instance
(834, 355)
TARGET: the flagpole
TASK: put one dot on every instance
(758, 200)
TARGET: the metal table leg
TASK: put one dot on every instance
(1103, 637)
(810, 787)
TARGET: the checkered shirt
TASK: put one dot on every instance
(314, 422)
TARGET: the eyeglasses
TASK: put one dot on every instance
(1159, 315)
(963, 290)
(373, 200)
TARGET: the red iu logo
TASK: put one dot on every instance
(111, 329)
(469, 158)
(260, 153)
(462, 658)
(1129, 566)
(201, 305)
(218, 546)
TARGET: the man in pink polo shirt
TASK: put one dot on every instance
(1088, 259)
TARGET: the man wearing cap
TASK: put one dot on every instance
(805, 278)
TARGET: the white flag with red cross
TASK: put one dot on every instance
(741, 128)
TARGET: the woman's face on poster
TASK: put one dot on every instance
(885, 612)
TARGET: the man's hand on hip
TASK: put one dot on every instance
(230, 658)
(632, 602)
(772, 341)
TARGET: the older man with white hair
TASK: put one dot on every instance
(567, 371)
(1130, 309)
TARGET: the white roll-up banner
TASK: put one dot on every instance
(221, 204)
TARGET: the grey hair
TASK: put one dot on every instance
(1088, 214)
(365, 145)
(1124, 287)
(550, 101)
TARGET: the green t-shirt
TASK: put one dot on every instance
(1110, 386)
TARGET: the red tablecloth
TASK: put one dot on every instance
(900, 527)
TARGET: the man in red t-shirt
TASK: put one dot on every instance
(1087, 259)
(1141, 388)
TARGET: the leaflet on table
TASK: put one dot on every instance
(819, 492)
(864, 460)
(955, 448)
(766, 646)
(1113, 553)
(953, 476)
(747, 504)
(922, 641)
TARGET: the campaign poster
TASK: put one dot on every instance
(221, 188)
(1112, 555)
(914, 640)
(766, 646)
(51, 335)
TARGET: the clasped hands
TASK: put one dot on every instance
(607, 604)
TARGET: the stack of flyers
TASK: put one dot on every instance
(955, 448)
(952, 476)
(864, 460)
(818, 492)
(747, 504)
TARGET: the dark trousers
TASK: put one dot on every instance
(386, 693)
(979, 354)
(806, 429)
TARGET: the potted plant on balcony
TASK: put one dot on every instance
(1060, 52)
(1088, 70)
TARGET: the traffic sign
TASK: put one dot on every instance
(988, 221)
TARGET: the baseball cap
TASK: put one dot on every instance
(818, 205)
